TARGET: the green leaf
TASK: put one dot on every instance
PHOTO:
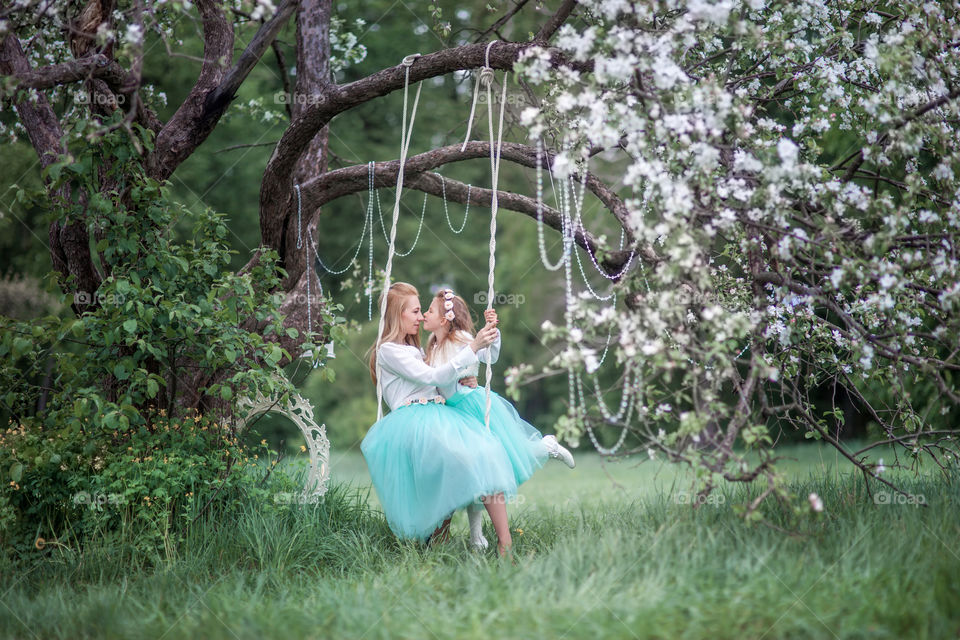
(20, 347)
(120, 371)
(16, 471)
(273, 355)
(226, 393)
(130, 325)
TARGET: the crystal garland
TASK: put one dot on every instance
(541, 244)
(627, 404)
(371, 170)
(383, 227)
(569, 221)
(443, 191)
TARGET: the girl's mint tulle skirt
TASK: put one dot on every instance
(429, 460)
(521, 440)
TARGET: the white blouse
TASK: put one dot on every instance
(405, 376)
(448, 352)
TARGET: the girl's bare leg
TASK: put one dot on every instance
(441, 533)
(497, 508)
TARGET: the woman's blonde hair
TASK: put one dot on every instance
(392, 326)
(462, 321)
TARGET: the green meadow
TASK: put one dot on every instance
(607, 550)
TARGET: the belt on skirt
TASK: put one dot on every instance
(437, 399)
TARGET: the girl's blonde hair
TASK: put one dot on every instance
(462, 321)
(392, 326)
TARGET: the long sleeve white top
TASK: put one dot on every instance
(405, 376)
(448, 352)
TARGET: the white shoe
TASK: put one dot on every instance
(558, 451)
(475, 516)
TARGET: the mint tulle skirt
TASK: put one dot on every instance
(520, 439)
(427, 461)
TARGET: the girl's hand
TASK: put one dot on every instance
(485, 337)
(490, 315)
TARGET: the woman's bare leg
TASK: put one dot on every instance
(497, 508)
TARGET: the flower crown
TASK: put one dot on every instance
(448, 305)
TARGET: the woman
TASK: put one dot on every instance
(426, 459)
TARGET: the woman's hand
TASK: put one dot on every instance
(490, 315)
(470, 381)
(485, 337)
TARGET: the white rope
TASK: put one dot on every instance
(494, 200)
(405, 135)
(486, 77)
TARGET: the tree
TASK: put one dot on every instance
(794, 165)
(100, 46)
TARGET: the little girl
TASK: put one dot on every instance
(427, 460)
(451, 328)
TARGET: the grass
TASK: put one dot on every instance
(593, 561)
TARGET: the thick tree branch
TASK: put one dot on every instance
(69, 246)
(37, 116)
(215, 87)
(455, 190)
(276, 189)
(184, 131)
(335, 184)
(86, 68)
(218, 99)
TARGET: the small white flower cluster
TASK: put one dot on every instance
(263, 10)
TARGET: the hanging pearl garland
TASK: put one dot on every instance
(367, 222)
(623, 434)
(568, 199)
(443, 190)
(541, 243)
(371, 191)
(383, 227)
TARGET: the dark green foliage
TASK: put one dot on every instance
(133, 409)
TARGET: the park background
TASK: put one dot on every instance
(610, 549)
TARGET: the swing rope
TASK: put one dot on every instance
(486, 77)
(405, 135)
